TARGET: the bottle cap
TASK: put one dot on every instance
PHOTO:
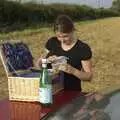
(44, 60)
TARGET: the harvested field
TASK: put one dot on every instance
(102, 35)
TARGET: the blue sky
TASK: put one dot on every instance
(93, 3)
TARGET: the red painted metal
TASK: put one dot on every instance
(18, 110)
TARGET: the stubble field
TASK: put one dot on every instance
(103, 36)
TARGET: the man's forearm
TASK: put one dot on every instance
(85, 76)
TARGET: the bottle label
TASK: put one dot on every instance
(45, 94)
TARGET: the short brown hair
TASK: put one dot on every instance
(64, 24)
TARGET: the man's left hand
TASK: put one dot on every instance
(66, 68)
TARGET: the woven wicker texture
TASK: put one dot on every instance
(23, 84)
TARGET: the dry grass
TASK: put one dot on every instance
(102, 35)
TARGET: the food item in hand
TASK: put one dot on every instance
(59, 60)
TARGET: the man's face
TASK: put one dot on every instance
(65, 38)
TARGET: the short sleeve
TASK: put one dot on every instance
(86, 52)
(48, 45)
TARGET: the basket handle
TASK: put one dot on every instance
(3, 57)
(3, 61)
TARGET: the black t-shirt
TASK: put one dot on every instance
(80, 51)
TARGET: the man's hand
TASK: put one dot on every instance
(38, 63)
(66, 68)
(52, 58)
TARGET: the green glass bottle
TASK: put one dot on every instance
(45, 86)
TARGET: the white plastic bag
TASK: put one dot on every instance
(60, 60)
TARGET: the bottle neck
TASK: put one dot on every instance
(44, 65)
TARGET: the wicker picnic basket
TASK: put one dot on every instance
(23, 88)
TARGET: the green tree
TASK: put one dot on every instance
(116, 5)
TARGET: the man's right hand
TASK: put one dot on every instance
(38, 63)
(52, 58)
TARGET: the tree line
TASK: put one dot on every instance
(12, 13)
